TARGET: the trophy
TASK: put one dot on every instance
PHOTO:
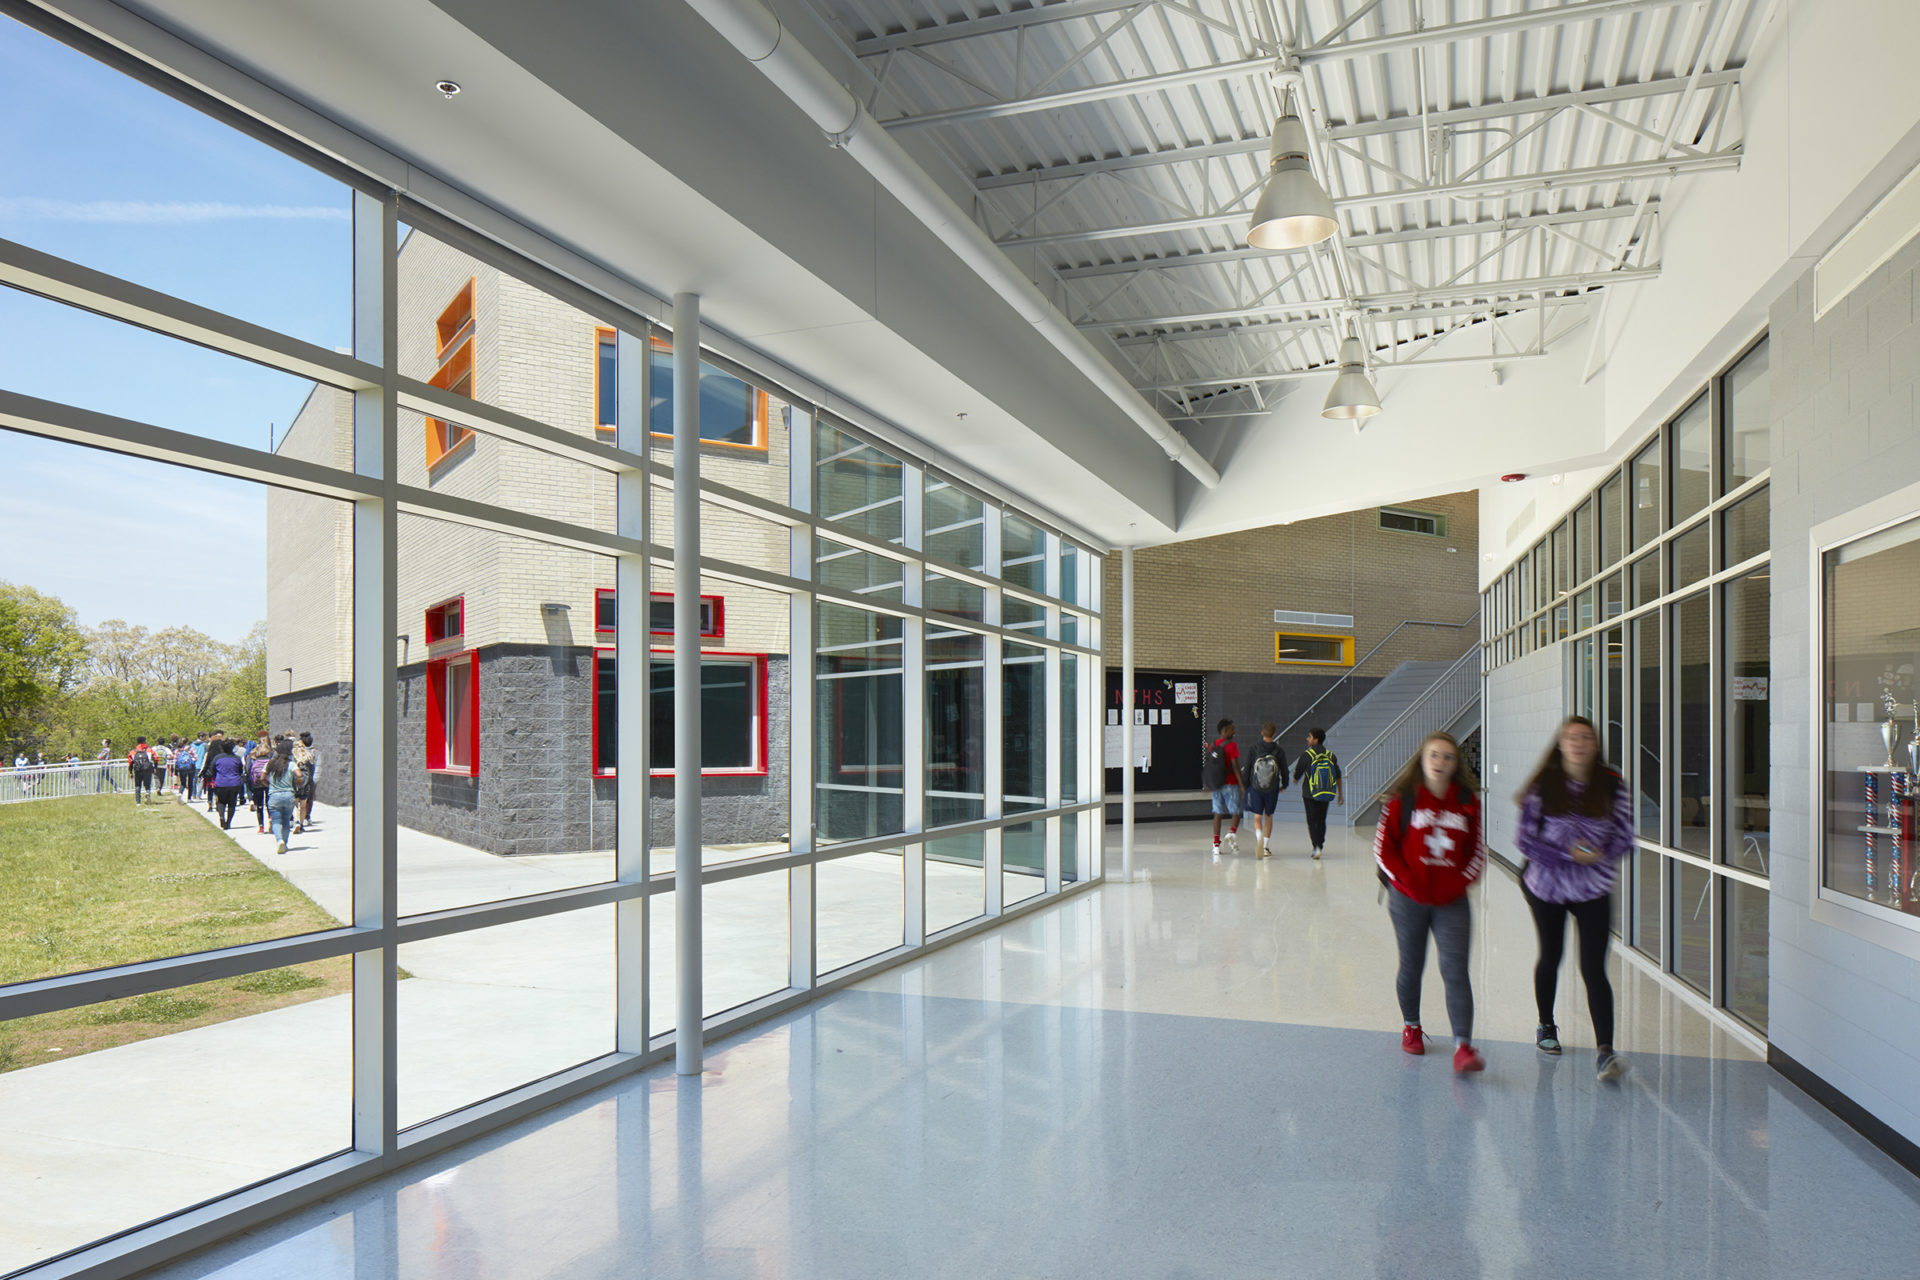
(1888, 732)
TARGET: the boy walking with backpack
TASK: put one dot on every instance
(1266, 779)
(1318, 773)
(1221, 777)
(140, 764)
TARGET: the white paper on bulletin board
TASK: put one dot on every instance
(1114, 747)
(1186, 694)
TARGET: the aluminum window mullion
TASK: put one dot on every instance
(376, 572)
(802, 662)
(914, 710)
(633, 669)
(1055, 720)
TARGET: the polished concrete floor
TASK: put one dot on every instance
(1195, 1075)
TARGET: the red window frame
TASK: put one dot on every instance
(435, 622)
(760, 767)
(719, 631)
(437, 714)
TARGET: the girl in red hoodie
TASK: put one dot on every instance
(1428, 848)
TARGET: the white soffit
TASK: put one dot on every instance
(1866, 248)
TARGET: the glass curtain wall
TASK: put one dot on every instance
(1667, 651)
(448, 563)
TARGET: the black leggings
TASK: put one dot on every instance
(225, 801)
(1594, 917)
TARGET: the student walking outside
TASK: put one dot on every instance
(1266, 779)
(1318, 773)
(308, 761)
(259, 757)
(282, 784)
(1428, 849)
(140, 764)
(1221, 777)
(1576, 824)
(105, 757)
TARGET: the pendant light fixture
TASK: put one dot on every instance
(1352, 397)
(1293, 211)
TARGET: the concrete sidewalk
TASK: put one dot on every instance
(96, 1144)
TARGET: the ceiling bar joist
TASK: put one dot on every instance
(1506, 306)
(1365, 129)
(1384, 302)
(1481, 28)
(1412, 235)
(992, 24)
(1081, 96)
(1479, 189)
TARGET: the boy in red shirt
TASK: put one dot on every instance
(1428, 848)
(1222, 777)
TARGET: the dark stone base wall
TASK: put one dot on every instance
(326, 713)
(739, 810)
(1250, 697)
(536, 792)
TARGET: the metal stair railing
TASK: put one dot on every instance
(1354, 670)
(1443, 702)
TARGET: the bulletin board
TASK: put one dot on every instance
(1169, 709)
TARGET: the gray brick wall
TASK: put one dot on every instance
(1249, 697)
(327, 713)
(1525, 701)
(1843, 434)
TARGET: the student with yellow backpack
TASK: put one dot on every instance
(1318, 773)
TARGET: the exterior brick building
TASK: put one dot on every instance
(505, 648)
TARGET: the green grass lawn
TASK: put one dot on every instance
(97, 881)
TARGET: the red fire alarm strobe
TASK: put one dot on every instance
(1513, 476)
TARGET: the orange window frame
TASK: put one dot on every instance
(601, 336)
(762, 410)
(456, 320)
(456, 375)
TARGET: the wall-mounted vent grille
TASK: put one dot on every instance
(1290, 618)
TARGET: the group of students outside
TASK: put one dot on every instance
(1254, 788)
(274, 776)
(1576, 825)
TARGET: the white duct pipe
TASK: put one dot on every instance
(751, 27)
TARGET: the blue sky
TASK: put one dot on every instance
(102, 171)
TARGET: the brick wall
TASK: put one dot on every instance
(1844, 433)
(327, 713)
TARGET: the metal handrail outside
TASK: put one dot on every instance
(1355, 668)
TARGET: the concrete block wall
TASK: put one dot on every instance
(1844, 433)
(1207, 604)
(1526, 700)
(326, 712)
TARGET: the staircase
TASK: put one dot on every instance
(1385, 728)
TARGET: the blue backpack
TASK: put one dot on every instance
(1322, 781)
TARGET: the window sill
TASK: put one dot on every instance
(668, 775)
(452, 773)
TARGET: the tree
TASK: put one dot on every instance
(41, 653)
(242, 703)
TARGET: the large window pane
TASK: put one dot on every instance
(1689, 552)
(1745, 739)
(1646, 505)
(950, 595)
(1070, 826)
(1649, 871)
(109, 173)
(1745, 955)
(859, 908)
(1561, 545)
(1024, 856)
(489, 1010)
(956, 880)
(1692, 712)
(1747, 527)
(956, 525)
(1644, 578)
(843, 568)
(1614, 681)
(1646, 763)
(745, 930)
(1611, 517)
(1692, 900)
(860, 724)
(956, 729)
(856, 485)
(1023, 552)
(1870, 618)
(732, 692)
(230, 1082)
(733, 414)
(1749, 412)
(1024, 727)
(1692, 459)
(1583, 541)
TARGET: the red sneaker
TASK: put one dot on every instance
(1467, 1058)
(1414, 1040)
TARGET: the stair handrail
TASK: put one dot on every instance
(1355, 668)
(1445, 682)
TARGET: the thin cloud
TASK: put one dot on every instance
(37, 209)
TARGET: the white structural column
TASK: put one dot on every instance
(1126, 714)
(1054, 721)
(993, 689)
(375, 674)
(913, 742)
(631, 665)
(687, 853)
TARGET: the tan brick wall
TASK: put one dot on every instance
(1208, 604)
(310, 557)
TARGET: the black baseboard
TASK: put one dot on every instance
(1902, 1150)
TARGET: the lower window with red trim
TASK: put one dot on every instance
(733, 714)
(453, 714)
